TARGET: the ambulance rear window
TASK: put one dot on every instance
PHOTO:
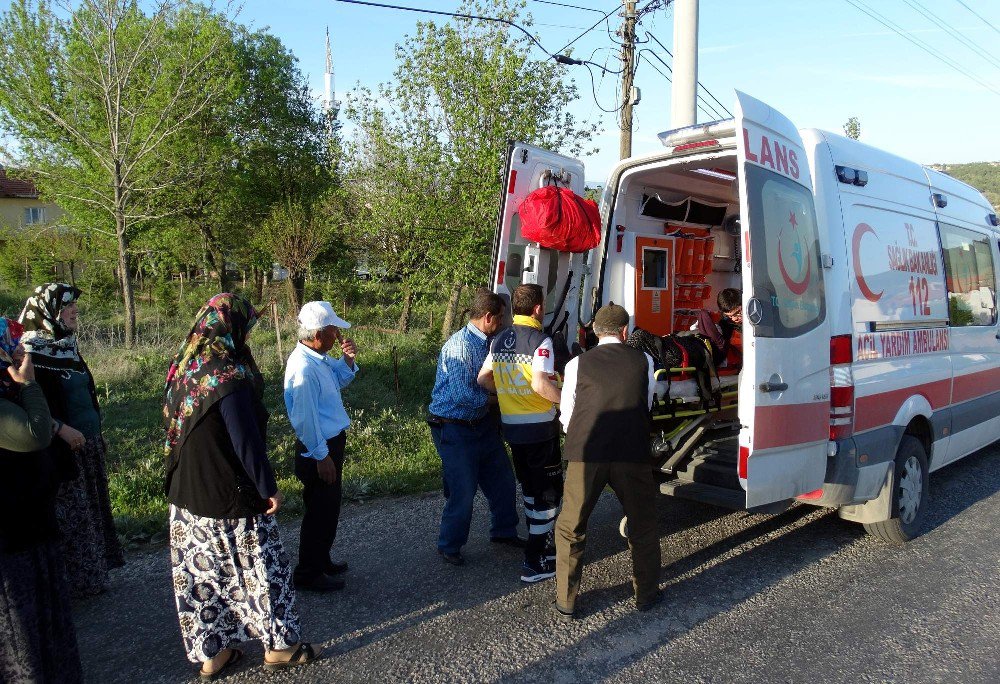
(785, 255)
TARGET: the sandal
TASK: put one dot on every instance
(235, 655)
(303, 655)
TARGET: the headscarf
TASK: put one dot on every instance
(10, 337)
(50, 342)
(212, 362)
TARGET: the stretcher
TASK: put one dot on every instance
(681, 414)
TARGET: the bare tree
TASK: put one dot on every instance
(92, 91)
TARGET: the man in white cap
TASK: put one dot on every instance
(313, 381)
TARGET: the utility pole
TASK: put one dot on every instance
(628, 70)
(684, 93)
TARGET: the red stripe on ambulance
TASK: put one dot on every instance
(782, 426)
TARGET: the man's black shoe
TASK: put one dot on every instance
(335, 568)
(452, 558)
(516, 542)
(562, 612)
(647, 605)
(321, 583)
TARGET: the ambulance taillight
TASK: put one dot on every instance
(841, 387)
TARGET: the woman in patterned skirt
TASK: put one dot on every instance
(89, 543)
(231, 576)
(37, 640)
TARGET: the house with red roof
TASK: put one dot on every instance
(20, 206)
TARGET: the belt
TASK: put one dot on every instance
(433, 420)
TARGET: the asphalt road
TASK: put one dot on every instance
(797, 597)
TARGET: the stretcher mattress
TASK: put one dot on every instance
(687, 390)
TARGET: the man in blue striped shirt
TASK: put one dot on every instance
(313, 381)
(466, 432)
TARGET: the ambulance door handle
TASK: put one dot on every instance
(773, 386)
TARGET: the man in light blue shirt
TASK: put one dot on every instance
(313, 382)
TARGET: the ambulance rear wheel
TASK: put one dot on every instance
(910, 494)
(623, 527)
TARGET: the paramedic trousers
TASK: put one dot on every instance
(635, 487)
(538, 466)
(322, 510)
(473, 457)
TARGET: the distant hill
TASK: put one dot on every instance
(984, 176)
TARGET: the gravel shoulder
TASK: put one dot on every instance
(796, 597)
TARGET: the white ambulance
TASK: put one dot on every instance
(871, 347)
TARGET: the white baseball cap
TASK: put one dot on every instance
(316, 315)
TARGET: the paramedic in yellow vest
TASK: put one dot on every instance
(520, 368)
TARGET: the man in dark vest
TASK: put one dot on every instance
(606, 397)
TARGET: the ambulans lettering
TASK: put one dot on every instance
(896, 343)
(772, 154)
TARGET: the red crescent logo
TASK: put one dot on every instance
(859, 232)
(796, 286)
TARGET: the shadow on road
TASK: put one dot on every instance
(400, 592)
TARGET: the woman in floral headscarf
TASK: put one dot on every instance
(90, 544)
(232, 579)
(37, 640)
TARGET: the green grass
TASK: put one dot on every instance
(389, 450)
(388, 447)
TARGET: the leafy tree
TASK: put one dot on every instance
(852, 129)
(94, 95)
(431, 144)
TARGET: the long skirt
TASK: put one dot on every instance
(37, 639)
(232, 582)
(89, 542)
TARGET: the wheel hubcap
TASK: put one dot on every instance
(910, 488)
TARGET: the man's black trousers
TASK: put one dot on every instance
(322, 503)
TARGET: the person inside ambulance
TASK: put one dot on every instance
(724, 330)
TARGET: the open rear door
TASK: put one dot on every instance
(515, 260)
(784, 396)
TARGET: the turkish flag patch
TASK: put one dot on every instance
(544, 353)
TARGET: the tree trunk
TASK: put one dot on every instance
(296, 285)
(449, 314)
(257, 278)
(404, 318)
(128, 294)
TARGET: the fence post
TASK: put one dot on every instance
(277, 331)
(395, 371)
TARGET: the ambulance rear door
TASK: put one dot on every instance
(516, 260)
(784, 395)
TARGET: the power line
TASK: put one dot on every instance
(460, 15)
(598, 23)
(563, 4)
(700, 84)
(858, 5)
(714, 115)
(978, 15)
(935, 19)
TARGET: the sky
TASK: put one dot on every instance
(818, 62)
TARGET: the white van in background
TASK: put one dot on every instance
(870, 337)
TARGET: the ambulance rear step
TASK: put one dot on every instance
(705, 493)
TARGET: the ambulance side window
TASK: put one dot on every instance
(969, 276)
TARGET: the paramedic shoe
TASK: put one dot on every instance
(452, 558)
(648, 605)
(516, 542)
(537, 571)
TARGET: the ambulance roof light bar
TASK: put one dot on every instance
(698, 132)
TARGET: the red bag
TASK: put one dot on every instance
(560, 219)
